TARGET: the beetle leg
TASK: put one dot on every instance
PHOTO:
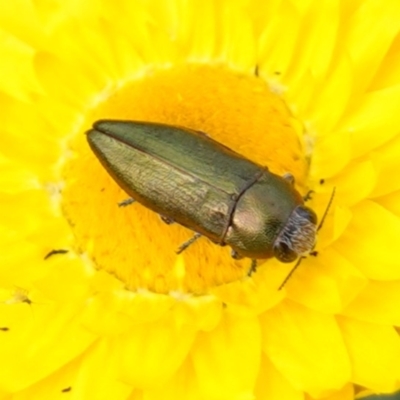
(235, 255)
(308, 195)
(185, 245)
(253, 268)
(288, 177)
(126, 202)
(167, 220)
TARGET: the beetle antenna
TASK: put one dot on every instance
(327, 209)
(291, 272)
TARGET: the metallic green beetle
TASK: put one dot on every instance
(191, 179)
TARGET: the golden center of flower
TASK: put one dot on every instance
(132, 242)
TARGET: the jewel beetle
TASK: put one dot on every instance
(191, 179)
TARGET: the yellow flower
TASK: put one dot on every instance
(95, 303)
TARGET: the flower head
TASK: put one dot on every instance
(94, 299)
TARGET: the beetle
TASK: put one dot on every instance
(189, 178)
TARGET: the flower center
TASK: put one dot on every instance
(132, 242)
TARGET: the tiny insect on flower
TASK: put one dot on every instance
(20, 295)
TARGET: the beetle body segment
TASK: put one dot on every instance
(199, 183)
(260, 214)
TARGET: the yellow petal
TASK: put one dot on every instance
(346, 393)
(21, 253)
(113, 322)
(151, 40)
(59, 12)
(388, 74)
(373, 122)
(325, 283)
(261, 13)
(254, 296)
(55, 74)
(391, 202)
(231, 350)
(276, 55)
(91, 59)
(127, 63)
(26, 26)
(386, 161)
(331, 154)
(183, 385)
(66, 268)
(16, 64)
(370, 247)
(42, 151)
(151, 342)
(315, 45)
(354, 183)
(374, 351)
(156, 306)
(238, 45)
(60, 383)
(18, 178)
(101, 359)
(28, 321)
(28, 222)
(321, 363)
(204, 312)
(60, 116)
(366, 42)
(378, 302)
(272, 385)
(334, 93)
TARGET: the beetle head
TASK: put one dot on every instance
(297, 236)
